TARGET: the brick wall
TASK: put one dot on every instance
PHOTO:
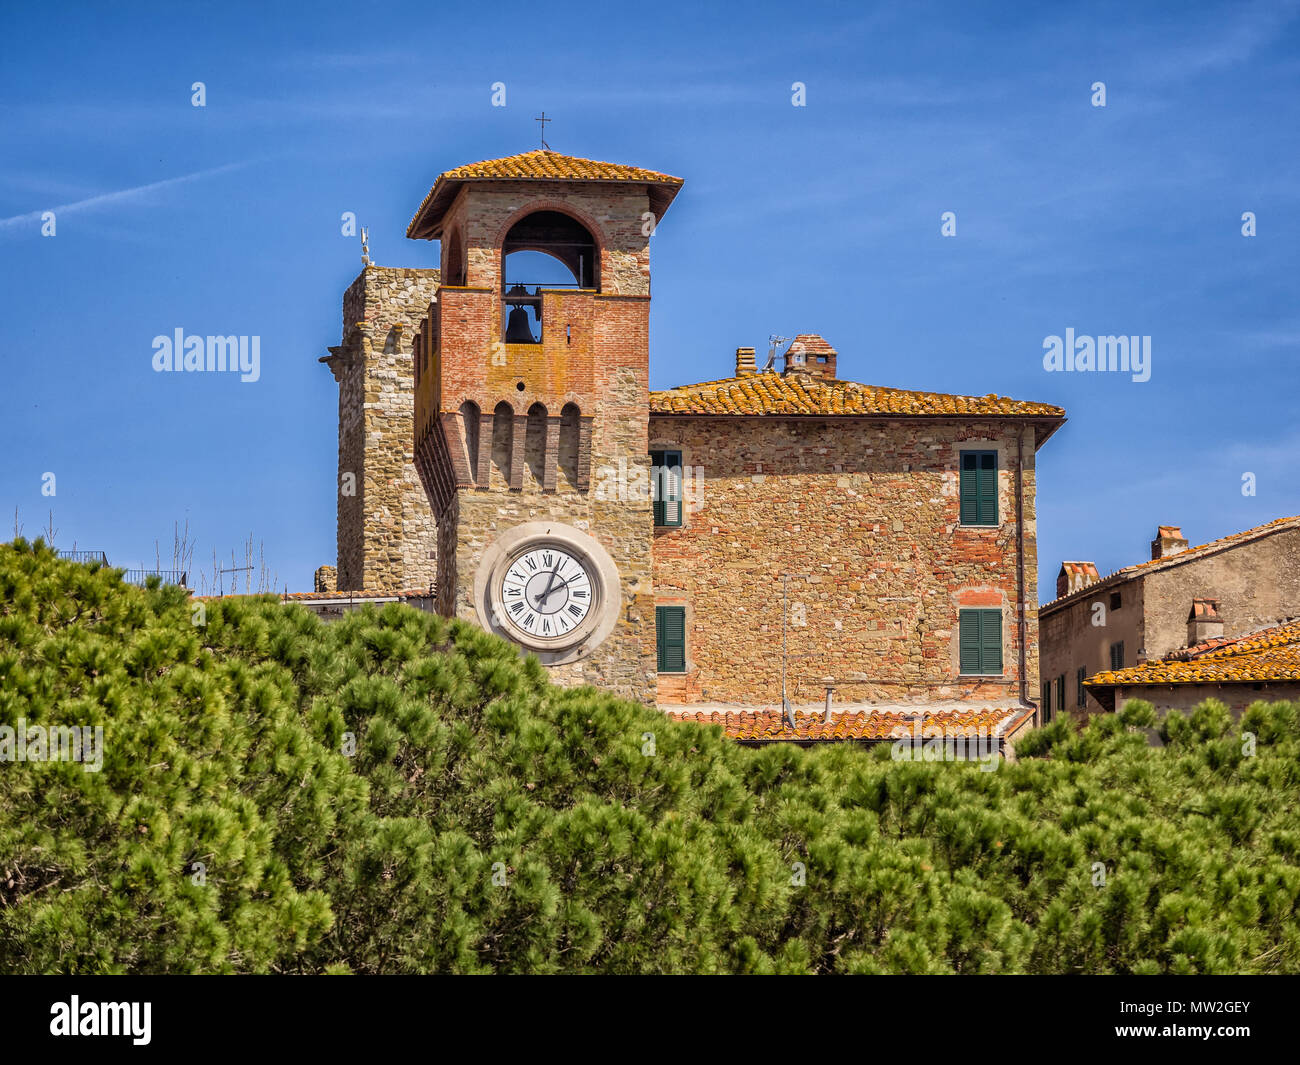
(595, 356)
(868, 510)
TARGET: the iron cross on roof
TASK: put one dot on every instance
(543, 120)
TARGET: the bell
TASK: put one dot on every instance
(517, 328)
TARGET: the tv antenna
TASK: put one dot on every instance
(774, 342)
(235, 585)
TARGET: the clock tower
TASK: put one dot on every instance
(532, 408)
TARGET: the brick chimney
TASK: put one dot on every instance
(1204, 622)
(1075, 575)
(745, 364)
(808, 353)
(1169, 541)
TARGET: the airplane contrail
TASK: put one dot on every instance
(120, 196)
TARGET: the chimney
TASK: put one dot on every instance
(745, 362)
(808, 353)
(1204, 622)
(1075, 575)
(1169, 541)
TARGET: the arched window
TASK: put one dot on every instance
(535, 443)
(545, 249)
(503, 442)
(570, 432)
(469, 428)
(453, 266)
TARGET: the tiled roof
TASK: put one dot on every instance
(770, 725)
(1187, 555)
(1266, 655)
(801, 393)
(814, 344)
(546, 165)
(538, 165)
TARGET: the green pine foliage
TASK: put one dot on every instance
(396, 792)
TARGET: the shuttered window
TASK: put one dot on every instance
(1082, 676)
(979, 487)
(666, 487)
(670, 637)
(980, 637)
(1117, 655)
(1060, 691)
(1047, 703)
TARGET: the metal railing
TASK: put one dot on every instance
(167, 576)
(85, 556)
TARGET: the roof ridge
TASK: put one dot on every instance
(1175, 559)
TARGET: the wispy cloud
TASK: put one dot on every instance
(111, 199)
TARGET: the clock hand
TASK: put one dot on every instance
(545, 595)
(551, 582)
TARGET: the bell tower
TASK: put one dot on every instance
(532, 408)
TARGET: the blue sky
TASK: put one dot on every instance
(824, 218)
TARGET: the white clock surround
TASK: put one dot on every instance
(493, 579)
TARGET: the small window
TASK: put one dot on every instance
(1117, 655)
(1060, 691)
(670, 638)
(979, 487)
(1047, 703)
(1115, 600)
(980, 639)
(1080, 677)
(666, 488)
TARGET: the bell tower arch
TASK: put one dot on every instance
(545, 341)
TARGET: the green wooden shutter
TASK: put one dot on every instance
(991, 641)
(969, 641)
(666, 471)
(1047, 703)
(1060, 691)
(988, 488)
(1117, 655)
(670, 637)
(1081, 677)
(979, 488)
(969, 497)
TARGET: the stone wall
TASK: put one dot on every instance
(865, 513)
(386, 533)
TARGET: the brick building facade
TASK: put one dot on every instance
(889, 534)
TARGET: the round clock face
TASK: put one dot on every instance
(546, 592)
(549, 587)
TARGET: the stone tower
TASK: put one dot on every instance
(532, 409)
(386, 535)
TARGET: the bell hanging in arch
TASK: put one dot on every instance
(517, 329)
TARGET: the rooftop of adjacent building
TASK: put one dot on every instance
(873, 724)
(1267, 654)
(1184, 554)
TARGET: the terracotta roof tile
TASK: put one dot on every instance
(770, 725)
(801, 393)
(540, 164)
(1266, 655)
